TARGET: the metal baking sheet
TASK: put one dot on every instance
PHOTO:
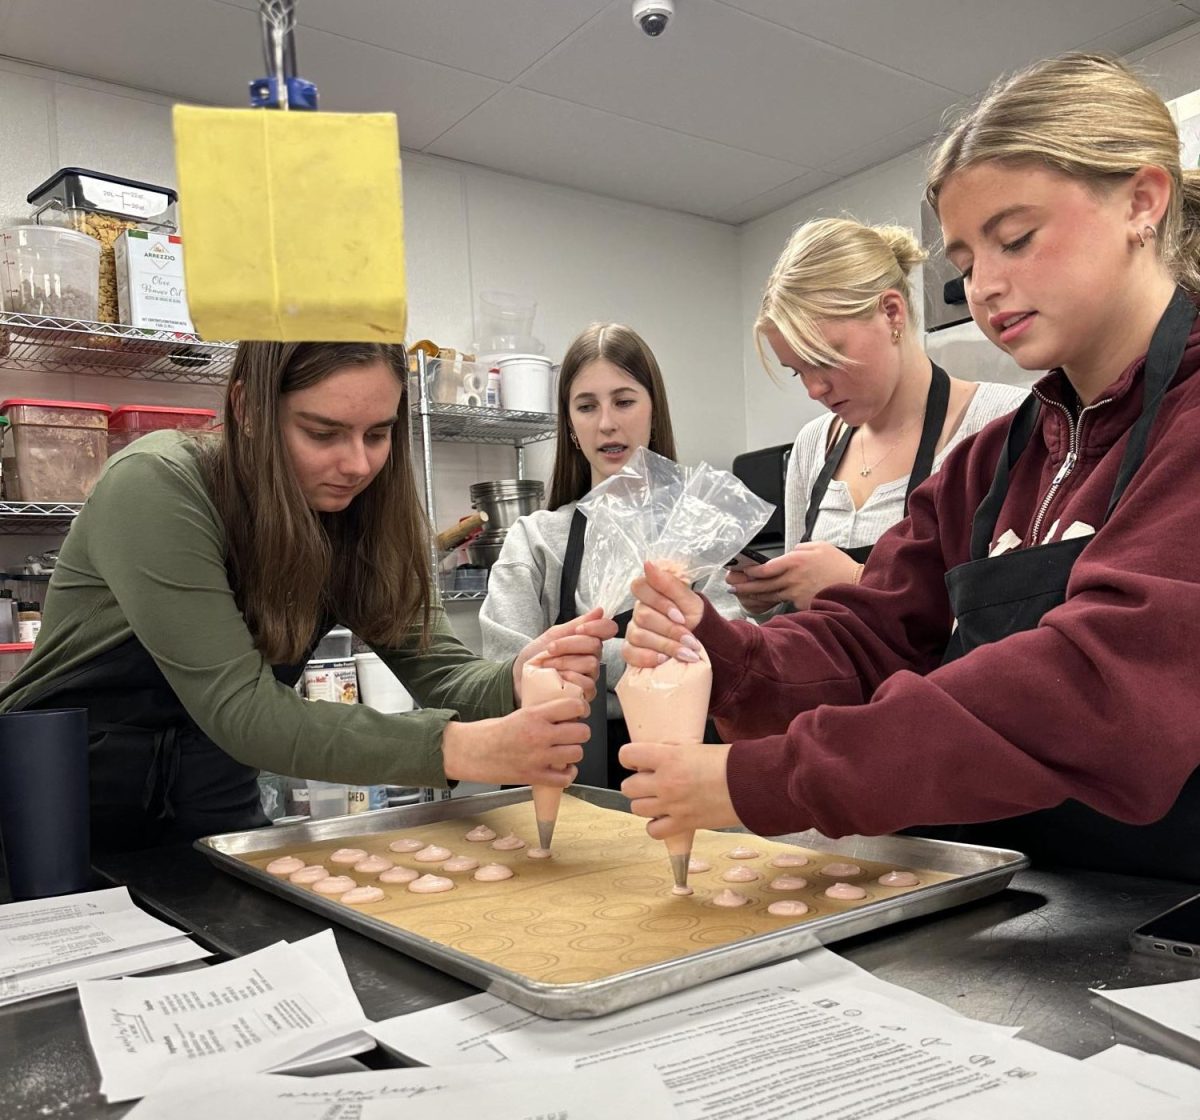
(979, 871)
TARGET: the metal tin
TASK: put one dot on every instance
(981, 871)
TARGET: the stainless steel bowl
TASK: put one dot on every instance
(506, 500)
(484, 550)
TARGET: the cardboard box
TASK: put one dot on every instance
(150, 287)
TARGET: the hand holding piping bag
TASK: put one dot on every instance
(691, 520)
(539, 684)
(668, 703)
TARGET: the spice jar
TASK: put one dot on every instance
(8, 617)
(29, 621)
(103, 206)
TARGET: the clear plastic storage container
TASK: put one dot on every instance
(131, 422)
(45, 270)
(103, 206)
(12, 656)
(53, 450)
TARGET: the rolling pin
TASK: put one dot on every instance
(450, 539)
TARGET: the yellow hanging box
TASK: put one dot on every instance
(292, 224)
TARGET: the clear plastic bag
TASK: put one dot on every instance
(691, 520)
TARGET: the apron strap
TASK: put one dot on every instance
(832, 462)
(936, 405)
(569, 586)
(570, 572)
(1020, 430)
(1162, 364)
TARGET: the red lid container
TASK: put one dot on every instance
(153, 418)
(24, 402)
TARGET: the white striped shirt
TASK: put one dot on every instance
(838, 521)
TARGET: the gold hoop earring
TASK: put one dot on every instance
(1151, 233)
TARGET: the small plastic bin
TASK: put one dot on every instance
(46, 271)
(103, 206)
(54, 451)
(131, 422)
(12, 656)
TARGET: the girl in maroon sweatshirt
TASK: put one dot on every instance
(1020, 657)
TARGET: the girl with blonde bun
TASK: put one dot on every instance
(1019, 658)
(838, 313)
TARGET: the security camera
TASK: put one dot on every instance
(652, 16)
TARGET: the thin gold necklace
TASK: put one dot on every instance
(862, 448)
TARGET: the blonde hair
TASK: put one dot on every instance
(1092, 118)
(833, 268)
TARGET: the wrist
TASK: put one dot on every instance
(456, 751)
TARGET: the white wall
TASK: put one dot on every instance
(889, 192)
(672, 277)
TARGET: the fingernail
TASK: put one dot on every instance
(662, 659)
(675, 615)
(687, 655)
(691, 641)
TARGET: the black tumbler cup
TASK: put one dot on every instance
(44, 816)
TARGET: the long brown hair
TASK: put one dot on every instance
(291, 567)
(1092, 118)
(625, 348)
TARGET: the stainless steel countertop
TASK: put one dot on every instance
(1024, 956)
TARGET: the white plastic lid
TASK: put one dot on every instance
(522, 358)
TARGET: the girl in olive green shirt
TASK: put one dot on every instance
(196, 580)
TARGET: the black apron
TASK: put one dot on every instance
(936, 404)
(155, 777)
(993, 597)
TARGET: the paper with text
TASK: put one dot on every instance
(274, 1009)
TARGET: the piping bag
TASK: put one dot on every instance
(689, 521)
(539, 685)
(292, 218)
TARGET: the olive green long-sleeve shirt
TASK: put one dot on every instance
(145, 558)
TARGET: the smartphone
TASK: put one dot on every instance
(747, 558)
(1175, 932)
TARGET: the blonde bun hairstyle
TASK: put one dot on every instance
(1090, 117)
(833, 268)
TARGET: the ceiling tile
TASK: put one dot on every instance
(543, 138)
(777, 197)
(351, 76)
(196, 49)
(919, 134)
(961, 44)
(496, 39)
(1139, 32)
(355, 77)
(724, 76)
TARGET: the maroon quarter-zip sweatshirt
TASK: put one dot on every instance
(843, 719)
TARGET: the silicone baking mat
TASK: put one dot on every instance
(607, 855)
(603, 904)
